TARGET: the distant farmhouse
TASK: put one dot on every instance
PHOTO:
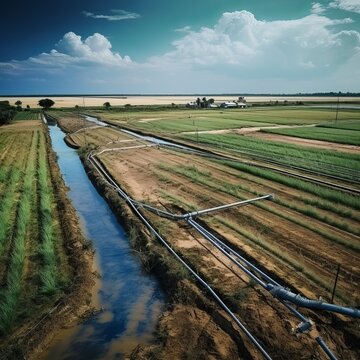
(210, 103)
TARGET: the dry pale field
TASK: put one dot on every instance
(71, 101)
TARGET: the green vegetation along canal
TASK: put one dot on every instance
(131, 300)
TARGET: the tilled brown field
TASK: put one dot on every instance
(296, 243)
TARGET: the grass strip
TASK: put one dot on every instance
(48, 273)
(196, 176)
(318, 190)
(7, 205)
(11, 293)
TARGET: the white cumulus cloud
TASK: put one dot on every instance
(95, 49)
(348, 5)
(238, 53)
(71, 50)
(317, 8)
(242, 43)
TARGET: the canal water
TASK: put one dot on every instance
(132, 301)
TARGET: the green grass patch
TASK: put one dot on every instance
(331, 162)
(171, 121)
(11, 293)
(336, 196)
(27, 115)
(342, 136)
(345, 124)
(48, 272)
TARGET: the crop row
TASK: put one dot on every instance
(29, 233)
(11, 293)
(197, 176)
(172, 121)
(205, 179)
(335, 162)
(342, 136)
(347, 124)
(247, 235)
(47, 231)
(27, 115)
(336, 196)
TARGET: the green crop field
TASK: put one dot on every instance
(327, 161)
(342, 136)
(27, 115)
(30, 237)
(172, 121)
(346, 124)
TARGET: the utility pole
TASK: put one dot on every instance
(337, 108)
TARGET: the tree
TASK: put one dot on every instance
(107, 105)
(18, 105)
(204, 103)
(46, 103)
(7, 112)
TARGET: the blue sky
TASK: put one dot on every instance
(203, 46)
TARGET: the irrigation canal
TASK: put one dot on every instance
(131, 300)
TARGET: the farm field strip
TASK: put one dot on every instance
(235, 189)
(326, 162)
(277, 213)
(174, 252)
(286, 216)
(48, 273)
(338, 210)
(27, 115)
(6, 145)
(342, 136)
(12, 292)
(297, 197)
(177, 121)
(344, 124)
(33, 268)
(127, 198)
(11, 183)
(299, 201)
(294, 242)
(335, 238)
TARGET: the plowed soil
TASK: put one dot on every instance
(300, 257)
(297, 250)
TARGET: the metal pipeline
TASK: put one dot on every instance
(326, 349)
(201, 212)
(134, 206)
(285, 294)
(223, 247)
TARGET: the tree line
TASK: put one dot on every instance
(8, 112)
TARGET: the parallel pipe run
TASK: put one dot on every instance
(285, 294)
(228, 250)
(133, 205)
(306, 323)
